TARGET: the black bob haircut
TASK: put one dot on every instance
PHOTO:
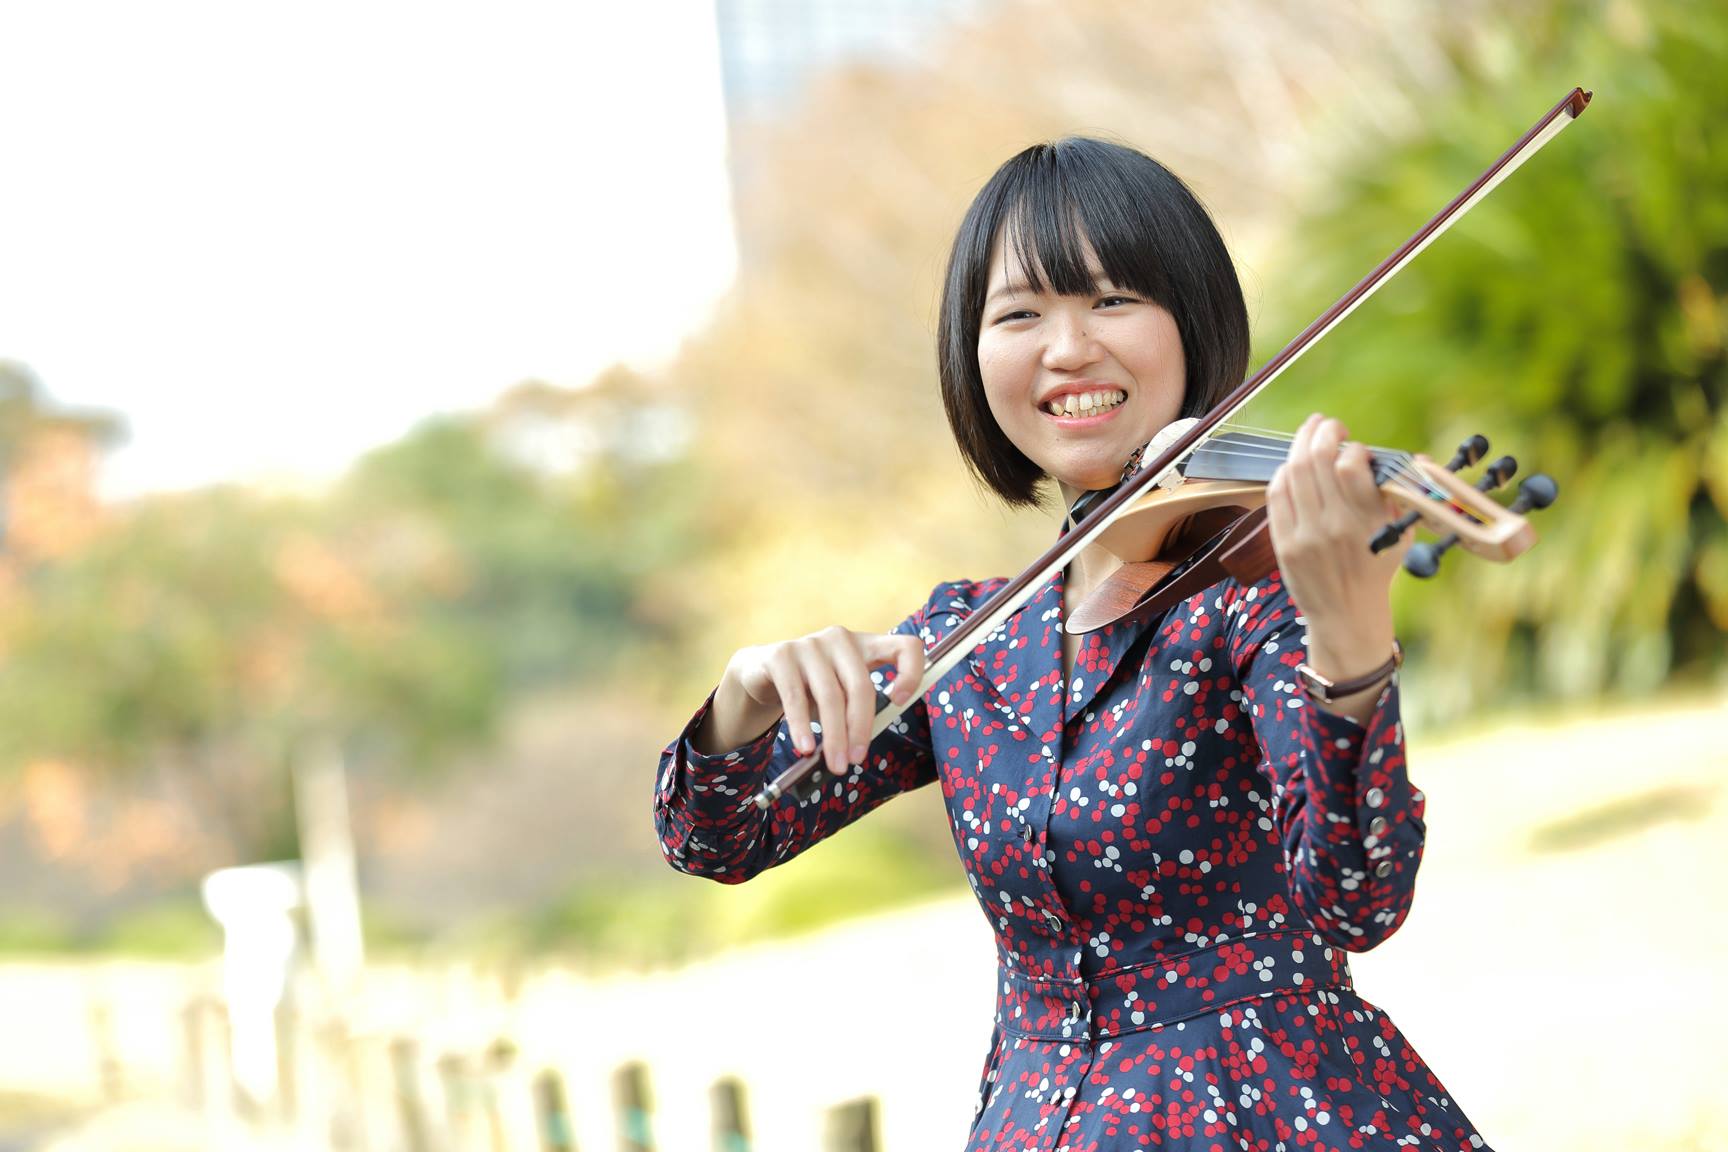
(1152, 236)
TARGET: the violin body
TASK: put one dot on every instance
(1159, 521)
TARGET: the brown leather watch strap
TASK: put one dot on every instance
(1327, 691)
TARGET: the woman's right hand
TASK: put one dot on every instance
(825, 677)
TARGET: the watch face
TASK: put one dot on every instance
(1314, 684)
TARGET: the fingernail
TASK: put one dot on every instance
(857, 753)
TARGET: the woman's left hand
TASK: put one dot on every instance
(1323, 508)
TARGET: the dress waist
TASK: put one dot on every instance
(1137, 997)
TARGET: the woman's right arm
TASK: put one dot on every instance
(759, 721)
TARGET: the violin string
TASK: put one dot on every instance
(1401, 466)
(1403, 462)
(1388, 462)
(1389, 465)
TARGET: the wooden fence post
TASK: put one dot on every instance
(378, 1111)
(731, 1117)
(210, 1077)
(506, 1101)
(852, 1127)
(289, 1051)
(192, 1027)
(456, 1078)
(410, 1100)
(109, 1073)
(635, 1109)
(557, 1133)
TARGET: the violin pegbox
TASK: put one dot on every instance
(1461, 514)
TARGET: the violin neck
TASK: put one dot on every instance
(1253, 457)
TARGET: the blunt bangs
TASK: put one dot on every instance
(1151, 236)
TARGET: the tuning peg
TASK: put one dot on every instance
(1497, 473)
(1390, 535)
(1423, 559)
(1536, 492)
(1494, 476)
(1468, 453)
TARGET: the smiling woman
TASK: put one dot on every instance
(1083, 254)
(1175, 846)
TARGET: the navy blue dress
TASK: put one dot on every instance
(1176, 853)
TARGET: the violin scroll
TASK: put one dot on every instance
(1534, 493)
(1461, 514)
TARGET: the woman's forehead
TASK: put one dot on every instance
(1019, 266)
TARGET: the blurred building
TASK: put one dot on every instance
(773, 51)
(560, 432)
(770, 49)
(49, 460)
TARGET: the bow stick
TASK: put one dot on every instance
(806, 774)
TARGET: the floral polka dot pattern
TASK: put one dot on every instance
(1176, 853)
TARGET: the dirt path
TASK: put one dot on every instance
(1563, 965)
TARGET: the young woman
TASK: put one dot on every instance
(1175, 842)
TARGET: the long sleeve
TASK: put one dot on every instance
(704, 806)
(1346, 813)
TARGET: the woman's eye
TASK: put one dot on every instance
(1114, 298)
(1015, 315)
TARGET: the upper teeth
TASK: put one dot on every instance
(1084, 402)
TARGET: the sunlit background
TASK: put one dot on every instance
(405, 409)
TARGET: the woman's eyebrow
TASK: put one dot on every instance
(1012, 288)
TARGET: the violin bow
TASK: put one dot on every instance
(807, 774)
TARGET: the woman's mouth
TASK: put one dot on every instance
(1077, 407)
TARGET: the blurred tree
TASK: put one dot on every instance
(568, 511)
(1578, 318)
(203, 637)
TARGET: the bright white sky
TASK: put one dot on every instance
(271, 236)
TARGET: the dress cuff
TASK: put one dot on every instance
(726, 774)
(1359, 768)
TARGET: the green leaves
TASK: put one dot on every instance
(1576, 317)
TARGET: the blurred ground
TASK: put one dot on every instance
(1560, 970)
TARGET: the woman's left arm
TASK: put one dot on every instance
(1349, 819)
(1323, 508)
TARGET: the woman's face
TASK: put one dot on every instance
(1077, 382)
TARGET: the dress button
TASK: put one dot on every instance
(1383, 869)
(1053, 921)
(1378, 826)
(1026, 833)
(1375, 798)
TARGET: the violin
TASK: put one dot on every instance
(1206, 519)
(1224, 528)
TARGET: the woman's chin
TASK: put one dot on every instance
(1076, 483)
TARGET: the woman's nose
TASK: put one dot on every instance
(1069, 345)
